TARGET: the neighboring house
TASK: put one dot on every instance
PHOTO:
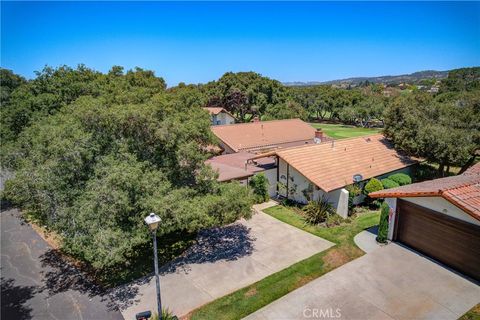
(220, 116)
(315, 171)
(439, 218)
(259, 136)
(238, 166)
(242, 142)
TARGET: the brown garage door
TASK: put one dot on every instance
(453, 242)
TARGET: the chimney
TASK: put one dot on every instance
(318, 136)
(256, 119)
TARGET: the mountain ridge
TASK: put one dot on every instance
(386, 79)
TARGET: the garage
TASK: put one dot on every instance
(451, 241)
(440, 219)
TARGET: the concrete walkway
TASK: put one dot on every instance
(224, 260)
(366, 240)
(391, 282)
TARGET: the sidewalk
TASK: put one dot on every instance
(224, 260)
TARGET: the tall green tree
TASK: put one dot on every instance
(287, 110)
(443, 129)
(245, 93)
(98, 162)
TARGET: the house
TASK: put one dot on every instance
(324, 170)
(242, 142)
(240, 167)
(220, 116)
(259, 136)
(439, 218)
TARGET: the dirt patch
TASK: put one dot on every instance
(303, 281)
(54, 240)
(251, 292)
(335, 258)
(50, 237)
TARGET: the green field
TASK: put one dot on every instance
(342, 131)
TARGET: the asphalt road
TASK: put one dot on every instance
(37, 284)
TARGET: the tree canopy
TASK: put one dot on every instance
(94, 153)
(444, 129)
(106, 150)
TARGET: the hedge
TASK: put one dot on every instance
(401, 178)
(372, 186)
(389, 183)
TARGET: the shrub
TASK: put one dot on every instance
(401, 178)
(372, 186)
(166, 315)
(383, 224)
(353, 191)
(259, 184)
(317, 212)
(389, 183)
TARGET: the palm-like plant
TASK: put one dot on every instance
(317, 212)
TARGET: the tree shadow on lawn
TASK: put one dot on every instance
(14, 298)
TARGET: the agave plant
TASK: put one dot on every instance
(317, 212)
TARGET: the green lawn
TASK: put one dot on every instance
(341, 131)
(251, 298)
(472, 314)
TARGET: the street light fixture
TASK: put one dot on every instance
(152, 220)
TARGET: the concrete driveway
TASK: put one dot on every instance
(389, 283)
(224, 260)
(37, 284)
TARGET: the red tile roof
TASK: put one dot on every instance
(233, 166)
(260, 134)
(214, 110)
(475, 169)
(217, 110)
(462, 190)
(332, 165)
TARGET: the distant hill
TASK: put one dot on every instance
(408, 78)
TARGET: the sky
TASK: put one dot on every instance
(197, 42)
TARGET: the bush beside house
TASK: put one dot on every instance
(401, 178)
(316, 212)
(354, 191)
(259, 184)
(389, 183)
(383, 224)
(372, 186)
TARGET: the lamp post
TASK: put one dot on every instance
(152, 220)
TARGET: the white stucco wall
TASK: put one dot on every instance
(298, 183)
(222, 118)
(443, 206)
